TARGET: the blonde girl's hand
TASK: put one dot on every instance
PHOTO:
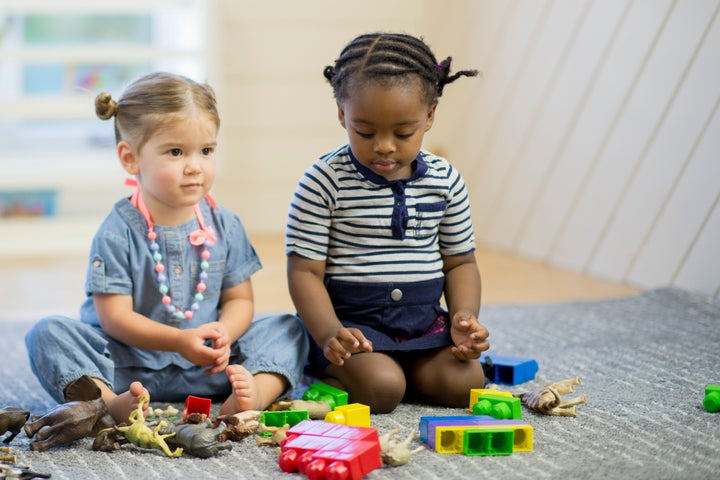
(196, 345)
(221, 344)
(470, 338)
(344, 343)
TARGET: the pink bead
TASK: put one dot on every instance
(188, 314)
(159, 268)
(166, 300)
(152, 235)
(201, 287)
(205, 254)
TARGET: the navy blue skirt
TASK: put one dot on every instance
(395, 317)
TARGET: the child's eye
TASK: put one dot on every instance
(175, 152)
(207, 151)
(364, 134)
(405, 136)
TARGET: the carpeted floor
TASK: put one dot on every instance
(644, 362)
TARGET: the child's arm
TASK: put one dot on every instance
(311, 299)
(121, 322)
(462, 294)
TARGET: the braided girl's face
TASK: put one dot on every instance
(386, 123)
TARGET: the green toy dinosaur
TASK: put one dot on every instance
(141, 435)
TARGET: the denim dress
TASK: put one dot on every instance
(120, 262)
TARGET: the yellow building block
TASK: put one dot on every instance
(352, 414)
(449, 439)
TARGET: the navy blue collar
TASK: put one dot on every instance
(419, 170)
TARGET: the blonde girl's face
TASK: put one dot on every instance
(175, 168)
(386, 124)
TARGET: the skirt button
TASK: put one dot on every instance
(396, 295)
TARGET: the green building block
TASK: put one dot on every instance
(711, 402)
(484, 441)
(326, 393)
(499, 407)
(282, 417)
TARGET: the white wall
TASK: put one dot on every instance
(591, 142)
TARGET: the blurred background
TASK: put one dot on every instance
(591, 141)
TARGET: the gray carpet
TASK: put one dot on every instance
(644, 362)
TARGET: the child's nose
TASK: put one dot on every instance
(192, 164)
(384, 145)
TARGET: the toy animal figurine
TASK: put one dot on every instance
(239, 425)
(317, 409)
(71, 420)
(12, 420)
(198, 439)
(278, 434)
(22, 472)
(548, 399)
(396, 453)
(142, 436)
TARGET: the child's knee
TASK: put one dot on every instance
(382, 391)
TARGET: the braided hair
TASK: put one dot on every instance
(391, 57)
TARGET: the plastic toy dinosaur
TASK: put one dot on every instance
(396, 453)
(12, 420)
(141, 435)
(548, 399)
(278, 434)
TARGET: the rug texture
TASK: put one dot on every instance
(644, 362)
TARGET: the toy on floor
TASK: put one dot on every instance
(395, 453)
(71, 420)
(142, 436)
(197, 437)
(275, 437)
(239, 425)
(195, 404)
(317, 409)
(508, 370)
(355, 414)
(548, 399)
(329, 450)
(499, 407)
(12, 420)
(326, 393)
(711, 402)
(9, 467)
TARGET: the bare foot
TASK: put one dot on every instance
(245, 394)
(121, 405)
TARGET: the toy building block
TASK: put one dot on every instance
(427, 423)
(711, 402)
(499, 407)
(508, 370)
(283, 417)
(490, 441)
(329, 450)
(443, 435)
(355, 414)
(197, 405)
(326, 393)
(475, 393)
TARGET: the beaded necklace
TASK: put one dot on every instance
(203, 236)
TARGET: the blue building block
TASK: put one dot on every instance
(428, 423)
(508, 370)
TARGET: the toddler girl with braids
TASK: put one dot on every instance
(170, 302)
(379, 230)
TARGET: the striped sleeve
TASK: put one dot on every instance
(456, 234)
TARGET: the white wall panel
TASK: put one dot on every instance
(602, 138)
(685, 113)
(684, 210)
(585, 61)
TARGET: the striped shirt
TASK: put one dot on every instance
(369, 229)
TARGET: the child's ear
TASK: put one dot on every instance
(430, 117)
(128, 158)
(341, 115)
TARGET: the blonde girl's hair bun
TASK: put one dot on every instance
(105, 106)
